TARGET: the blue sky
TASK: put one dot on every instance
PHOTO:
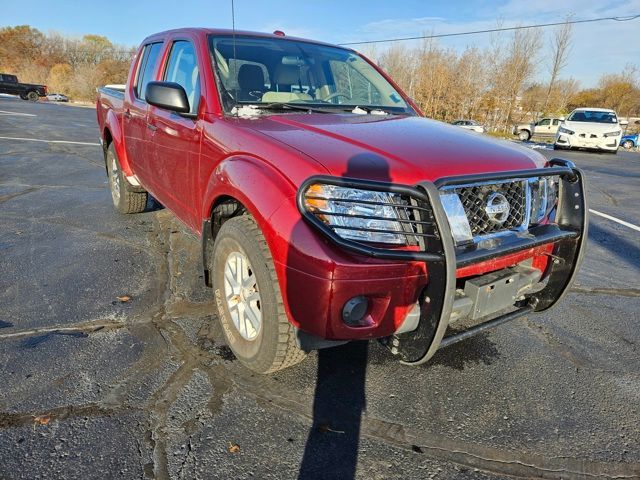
(597, 48)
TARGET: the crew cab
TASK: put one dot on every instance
(27, 91)
(590, 128)
(543, 128)
(329, 209)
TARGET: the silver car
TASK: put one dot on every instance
(57, 97)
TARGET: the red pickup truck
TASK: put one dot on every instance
(329, 209)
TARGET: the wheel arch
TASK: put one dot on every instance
(112, 133)
(242, 185)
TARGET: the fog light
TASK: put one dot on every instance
(354, 311)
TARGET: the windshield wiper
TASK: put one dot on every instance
(285, 106)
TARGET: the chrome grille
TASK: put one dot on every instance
(474, 199)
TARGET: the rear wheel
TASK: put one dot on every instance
(627, 144)
(33, 96)
(249, 301)
(126, 198)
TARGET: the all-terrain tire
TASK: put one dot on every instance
(126, 198)
(273, 347)
(33, 96)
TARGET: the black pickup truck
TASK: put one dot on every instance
(27, 91)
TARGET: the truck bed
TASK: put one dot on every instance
(110, 98)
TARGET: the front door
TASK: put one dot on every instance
(543, 128)
(176, 138)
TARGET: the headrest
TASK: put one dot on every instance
(287, 75)
(251, 77)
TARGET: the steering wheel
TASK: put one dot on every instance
(335, 95)
(257, 94)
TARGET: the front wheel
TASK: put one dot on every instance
(627, 144)
(524, 135)
(249, 301)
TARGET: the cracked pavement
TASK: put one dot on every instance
(96, 387)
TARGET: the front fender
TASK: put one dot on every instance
(256, 184)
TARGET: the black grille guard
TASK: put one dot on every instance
(568, 234)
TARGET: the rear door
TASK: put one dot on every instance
(176, 138)
(136, 133)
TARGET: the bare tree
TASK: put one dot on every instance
(561, 48)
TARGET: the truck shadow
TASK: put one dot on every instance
(331, 450)
(152, 204)
(474, 350)
(626, 251)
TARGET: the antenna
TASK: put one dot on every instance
(235, 63)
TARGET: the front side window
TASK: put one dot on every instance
(544, 122)
(182, 68)
(267, 72)
(147, 68)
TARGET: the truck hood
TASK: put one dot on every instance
(399, 149)
(592, 127)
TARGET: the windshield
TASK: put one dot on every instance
(593, 116)
(272, 72)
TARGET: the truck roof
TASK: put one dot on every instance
(227, 31)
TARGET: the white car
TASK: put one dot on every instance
(469, 125)
(57, 97)
(593, 128)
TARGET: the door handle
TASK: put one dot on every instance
(127, 114)
(153, 128)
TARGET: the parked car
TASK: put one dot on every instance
(328, 208)
(543, 128)
(57, 97)
(26, 91)
(469, 125)
(591, 128)
(629, 141)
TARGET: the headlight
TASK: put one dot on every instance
(566, 130)
(544, 197)
(355, 214)
(612, 134)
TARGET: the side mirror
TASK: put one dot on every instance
(562, 119)
(624, 123)
(168, 95)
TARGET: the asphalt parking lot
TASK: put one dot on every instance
(112, 364)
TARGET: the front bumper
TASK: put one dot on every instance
(564, 239)
(587, 141)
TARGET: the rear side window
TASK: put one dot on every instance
(182, 68)
(147, 68)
